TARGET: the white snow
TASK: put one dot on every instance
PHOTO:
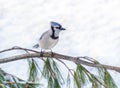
(93, 28)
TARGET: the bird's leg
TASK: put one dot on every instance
(52, 54)
(41, 53)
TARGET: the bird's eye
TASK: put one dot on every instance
(58, 27)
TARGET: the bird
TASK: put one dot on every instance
(50, 38)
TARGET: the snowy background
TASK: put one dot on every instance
(93, 29)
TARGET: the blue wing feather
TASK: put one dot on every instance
(36, 46)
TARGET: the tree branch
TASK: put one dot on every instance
(36, 54)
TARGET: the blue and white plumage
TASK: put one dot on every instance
(51, 37)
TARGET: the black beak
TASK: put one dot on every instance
(63, 29)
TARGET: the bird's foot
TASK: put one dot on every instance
(52, 54)
(41, 54)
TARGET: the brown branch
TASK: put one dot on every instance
(77, 60)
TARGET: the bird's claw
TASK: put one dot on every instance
(52, 54)
(41, 54)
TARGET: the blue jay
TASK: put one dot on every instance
(50, 38)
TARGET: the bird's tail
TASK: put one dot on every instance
(36, 46)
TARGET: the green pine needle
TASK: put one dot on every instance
(33, 70)
(109, 82)
(52, 73)
(68, 81)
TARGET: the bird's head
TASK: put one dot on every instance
(56, 26)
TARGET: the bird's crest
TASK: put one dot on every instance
(55, 24)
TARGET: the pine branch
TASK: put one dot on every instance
(36, 54)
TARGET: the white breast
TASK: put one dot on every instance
(46, 42)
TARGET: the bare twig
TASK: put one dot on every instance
(18, 48)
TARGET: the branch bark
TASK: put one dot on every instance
(36, 54)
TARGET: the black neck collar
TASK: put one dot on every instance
(53, 34)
